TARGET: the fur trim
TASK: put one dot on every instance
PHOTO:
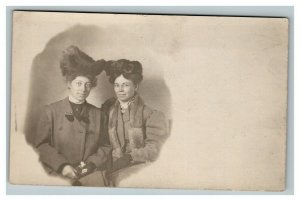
(74, 61)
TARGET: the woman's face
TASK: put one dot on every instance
(124, 88)
(80, 88)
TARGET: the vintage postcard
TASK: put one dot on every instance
(149, 101)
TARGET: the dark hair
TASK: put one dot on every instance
(131, 70)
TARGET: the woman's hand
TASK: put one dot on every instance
(122, 162)
(85, 169)
(69, 171)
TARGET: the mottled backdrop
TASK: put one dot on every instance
(221, 80)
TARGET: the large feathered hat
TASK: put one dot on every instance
(75, 62)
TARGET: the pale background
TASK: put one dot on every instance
(227, 79)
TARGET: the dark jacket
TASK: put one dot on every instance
(62, 139)
(147, 131)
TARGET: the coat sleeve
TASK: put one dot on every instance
(156, 129)
(48, 155)
(101, 157)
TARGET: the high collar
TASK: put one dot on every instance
(125, 105)
(137, 100)
(73, 100)
(69, 112)
(67, 106)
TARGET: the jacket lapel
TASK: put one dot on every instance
(113, 114)
(70, 116)
(113, 118)
(135, 115)
(85, 114)
(136, 112)
(68, 110)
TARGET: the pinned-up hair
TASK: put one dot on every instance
(131, 70)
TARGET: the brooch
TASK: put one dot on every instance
(69, 116)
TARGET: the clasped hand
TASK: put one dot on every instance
(81, 170)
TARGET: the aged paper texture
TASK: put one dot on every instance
(221, 81)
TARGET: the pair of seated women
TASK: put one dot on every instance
(93, 146)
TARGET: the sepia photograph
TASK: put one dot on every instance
(149, 101)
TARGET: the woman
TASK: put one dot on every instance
(136, 131)
(71, 137)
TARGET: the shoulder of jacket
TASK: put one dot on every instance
(55, 105)
(150, 112)
(95, 109)
(108, 103)
(92, 107)
(50, 109)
